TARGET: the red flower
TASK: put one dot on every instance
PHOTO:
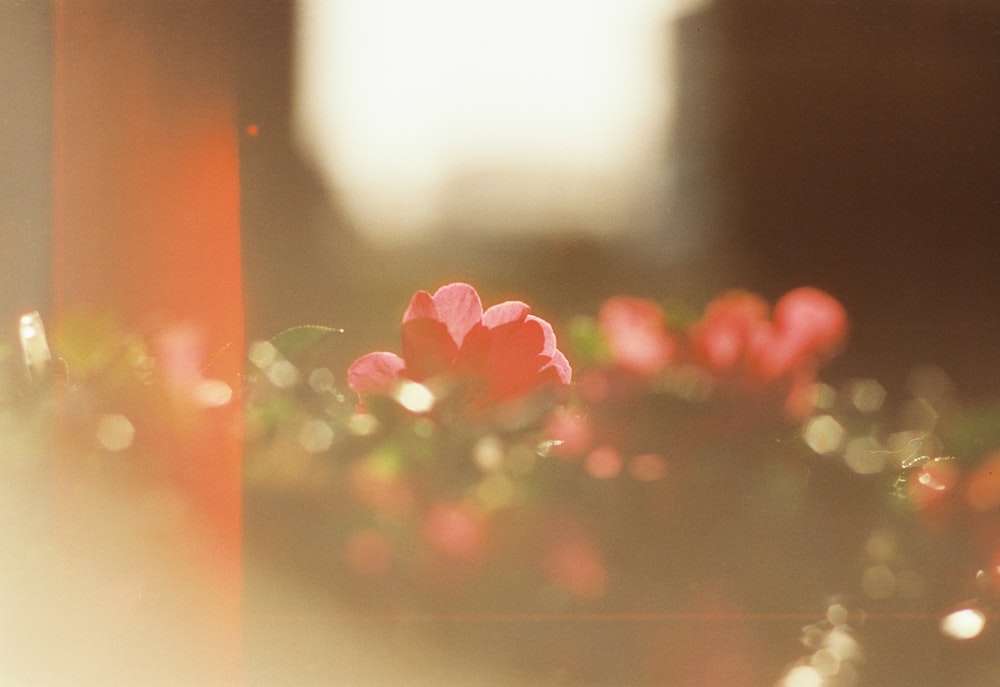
(637, 336)
(484, 359)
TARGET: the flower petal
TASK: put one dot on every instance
(459, 308)
(502, 313)
(562, 367)
(428, 348)
(421, 307)
(375, 373)
(548, 335)
(515, 359)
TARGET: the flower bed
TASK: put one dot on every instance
(657, 497)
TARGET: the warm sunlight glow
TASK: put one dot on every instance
(517, 115)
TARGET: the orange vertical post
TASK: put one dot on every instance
(146, 229)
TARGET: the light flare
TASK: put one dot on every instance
(34, 346)
(967, 623)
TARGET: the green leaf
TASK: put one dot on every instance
(294, 342)
(587, 341)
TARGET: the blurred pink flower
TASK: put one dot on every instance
(483, 358)
(456, 530)
(636, 334)
(731, 326)
(808, 327)
(746, 347)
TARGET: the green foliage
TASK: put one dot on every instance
(587, 341)
(298, 341)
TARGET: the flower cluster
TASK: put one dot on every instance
(738, 347)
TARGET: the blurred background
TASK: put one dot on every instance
(562, 152)
(573, 151)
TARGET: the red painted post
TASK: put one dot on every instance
(146, 229)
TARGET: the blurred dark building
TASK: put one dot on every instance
(855, 148)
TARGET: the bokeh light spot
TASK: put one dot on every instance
(865, 456)
(823, 434)
(282, 374)
(488, 453)
(826, 662)
(212, 393)
(802, 676)
(315, 436)
(415, 397)
(967, 623)
(322, 380)
(262, 354)
(867, 395)
(836, 614)
(604, 462)
(881, 546)
(115, 432)
(362, 424)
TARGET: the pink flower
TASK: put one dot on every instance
(637, 336)
(484, 359)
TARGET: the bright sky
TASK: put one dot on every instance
(532, 109)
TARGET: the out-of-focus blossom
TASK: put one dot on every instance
(456, 531)
(729, 330)
(745, 347)
(481, 359)
(808, 327)
(636, 335)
